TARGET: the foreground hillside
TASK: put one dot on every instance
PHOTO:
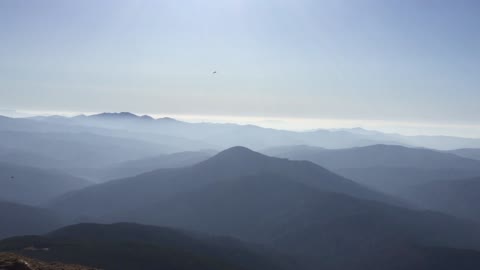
(132, 246)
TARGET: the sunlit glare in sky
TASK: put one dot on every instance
(401, 66)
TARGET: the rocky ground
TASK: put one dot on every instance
(10, 261)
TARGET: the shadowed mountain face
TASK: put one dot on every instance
(34, 186)
(322, 230)
(131, 193)
(314, 225)
(266, 200)
(458, 197)
(17, 219)
(132, 246)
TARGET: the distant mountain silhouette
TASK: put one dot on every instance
(395, 180)
(132, 246)
(33, 186)
(78, 149)
(130, 193)
(177, 136)
(123, 120)
(73, 144)
(459, 197)
(18, 219)
(472, 153)
(387, 168)
(376, 156)
(121, 115)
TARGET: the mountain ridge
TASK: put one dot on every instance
(226, 165)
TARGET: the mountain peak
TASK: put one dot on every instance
(237, 150)
(121, 115)
(167, 119)
(115, 114)
(236, 154)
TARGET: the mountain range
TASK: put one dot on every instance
(387, 168)
(135, 192)
(183, 136)
(90, 190)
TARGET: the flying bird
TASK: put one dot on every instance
(214, 72)
(12, 177)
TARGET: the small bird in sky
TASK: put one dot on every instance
(214, 72)
(12, 177)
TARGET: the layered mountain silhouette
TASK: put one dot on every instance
(130, 193)
(457, 197)
(336, 199)
(78, 149)
(472, 153)
(296, 207)
(376, 156)
(387, 168)
(86, 142)
(323, 230)
(133, 246)
(28, 158)
(195, 136)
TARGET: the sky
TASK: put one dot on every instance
(409, 65)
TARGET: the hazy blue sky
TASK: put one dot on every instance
(394, 61)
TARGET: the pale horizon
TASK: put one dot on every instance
(291, 124)
(330, 63)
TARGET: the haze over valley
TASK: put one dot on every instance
(239, 135)
(292, 199)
